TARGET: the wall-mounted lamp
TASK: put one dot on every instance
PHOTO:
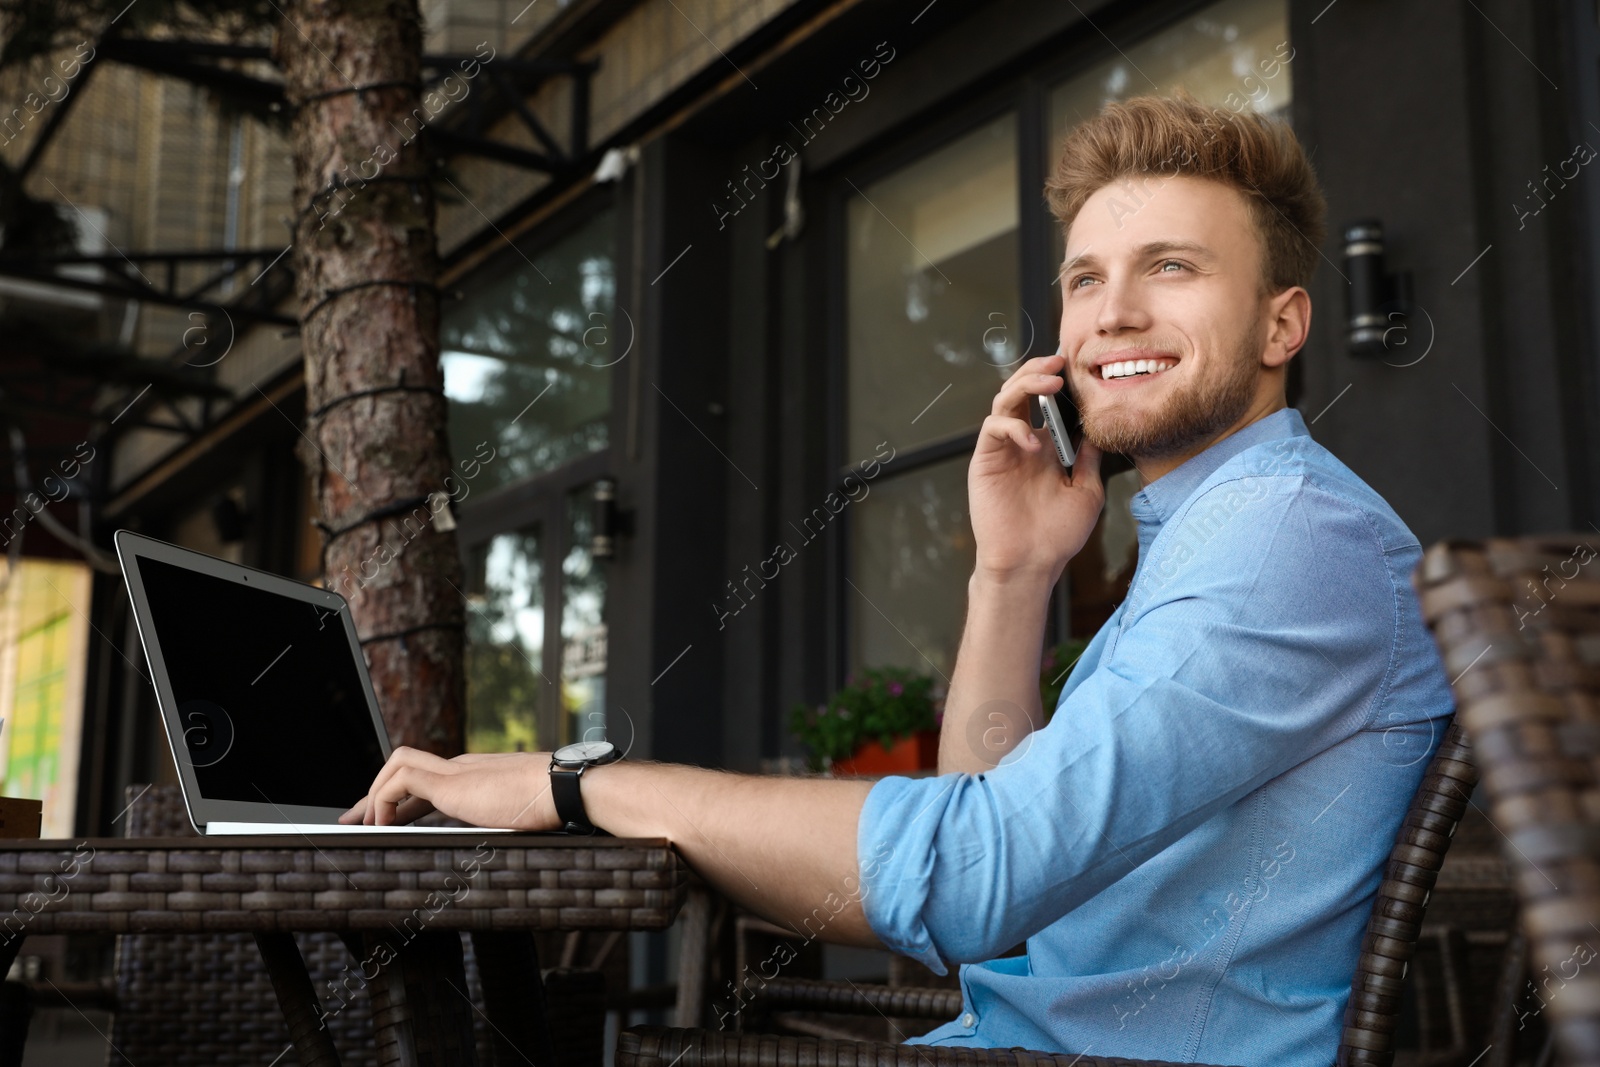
(1378, 301)
(610, 522)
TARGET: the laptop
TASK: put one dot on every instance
(263, 691)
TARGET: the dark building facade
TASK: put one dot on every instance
(771, 320)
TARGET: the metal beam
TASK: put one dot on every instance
(200, 255)
(163, 57)
(119, 282)
(467, 144)
(53, 123)
(186, 49)
(108, 366)
(137, 291)
(513, 77)
(520, 105)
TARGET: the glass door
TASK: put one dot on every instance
(506, 678)
(527, 370)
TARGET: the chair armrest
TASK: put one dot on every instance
(859, 998)
(662, 1046)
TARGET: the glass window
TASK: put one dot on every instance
(505, 641)
(913, 552)
(1233, 54)
(933, 297)
(583, 629)
(933, 327)
(44, 641)
(933, 312)
(533, 328)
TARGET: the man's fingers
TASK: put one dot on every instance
(408, 781)
(1012, 399)
(1087, 467)
(1002, 428)
(401, 760)
(1038, 365)
(413, 808)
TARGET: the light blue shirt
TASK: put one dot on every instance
(1192, 846)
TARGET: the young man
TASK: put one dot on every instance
(1191, 848)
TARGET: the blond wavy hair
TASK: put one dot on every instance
(1153, 138)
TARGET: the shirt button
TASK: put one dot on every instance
(967, 1020)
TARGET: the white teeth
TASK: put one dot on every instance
(1129, 367)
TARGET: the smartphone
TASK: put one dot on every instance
(1058, 431)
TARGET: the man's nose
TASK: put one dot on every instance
(1121, 306)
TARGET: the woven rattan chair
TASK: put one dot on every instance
(1370, 1018)
(1518, 622)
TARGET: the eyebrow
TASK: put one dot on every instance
(1144, 251)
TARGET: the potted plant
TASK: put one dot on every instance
(884, 721)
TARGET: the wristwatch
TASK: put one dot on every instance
(567, 765)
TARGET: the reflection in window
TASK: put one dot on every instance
(1234, 54)
(505, 639)
(933, 297)
(934, 327)
(583, 631)
(932, 315)
(913, 552)
(524, 333)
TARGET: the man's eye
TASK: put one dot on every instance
(1073, 283)
(1172, 263)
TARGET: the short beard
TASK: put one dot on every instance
(1188, 418)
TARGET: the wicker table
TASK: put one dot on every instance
(398, 900)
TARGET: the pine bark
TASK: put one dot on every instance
(365, 259)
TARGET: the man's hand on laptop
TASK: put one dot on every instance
(1029, 515)
(509, 790)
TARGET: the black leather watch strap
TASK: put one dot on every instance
(565, 791)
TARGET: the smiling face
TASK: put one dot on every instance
(1166, 281)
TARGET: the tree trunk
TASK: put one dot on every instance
(365, 261)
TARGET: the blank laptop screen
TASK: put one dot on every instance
(267, 689)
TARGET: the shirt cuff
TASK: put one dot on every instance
(895, 851)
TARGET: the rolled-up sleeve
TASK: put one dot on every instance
(1271, 640)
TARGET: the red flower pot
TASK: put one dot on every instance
(918, 752)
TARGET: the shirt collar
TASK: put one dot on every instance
(1156, 502)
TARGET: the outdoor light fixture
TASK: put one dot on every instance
(609, 522)
(1378, 302)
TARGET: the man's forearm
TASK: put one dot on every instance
(785, 848)
(993, 701)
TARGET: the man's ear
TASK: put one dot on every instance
(1288, 325)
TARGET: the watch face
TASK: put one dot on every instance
(584, 751)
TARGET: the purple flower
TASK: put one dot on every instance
(896, 688)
